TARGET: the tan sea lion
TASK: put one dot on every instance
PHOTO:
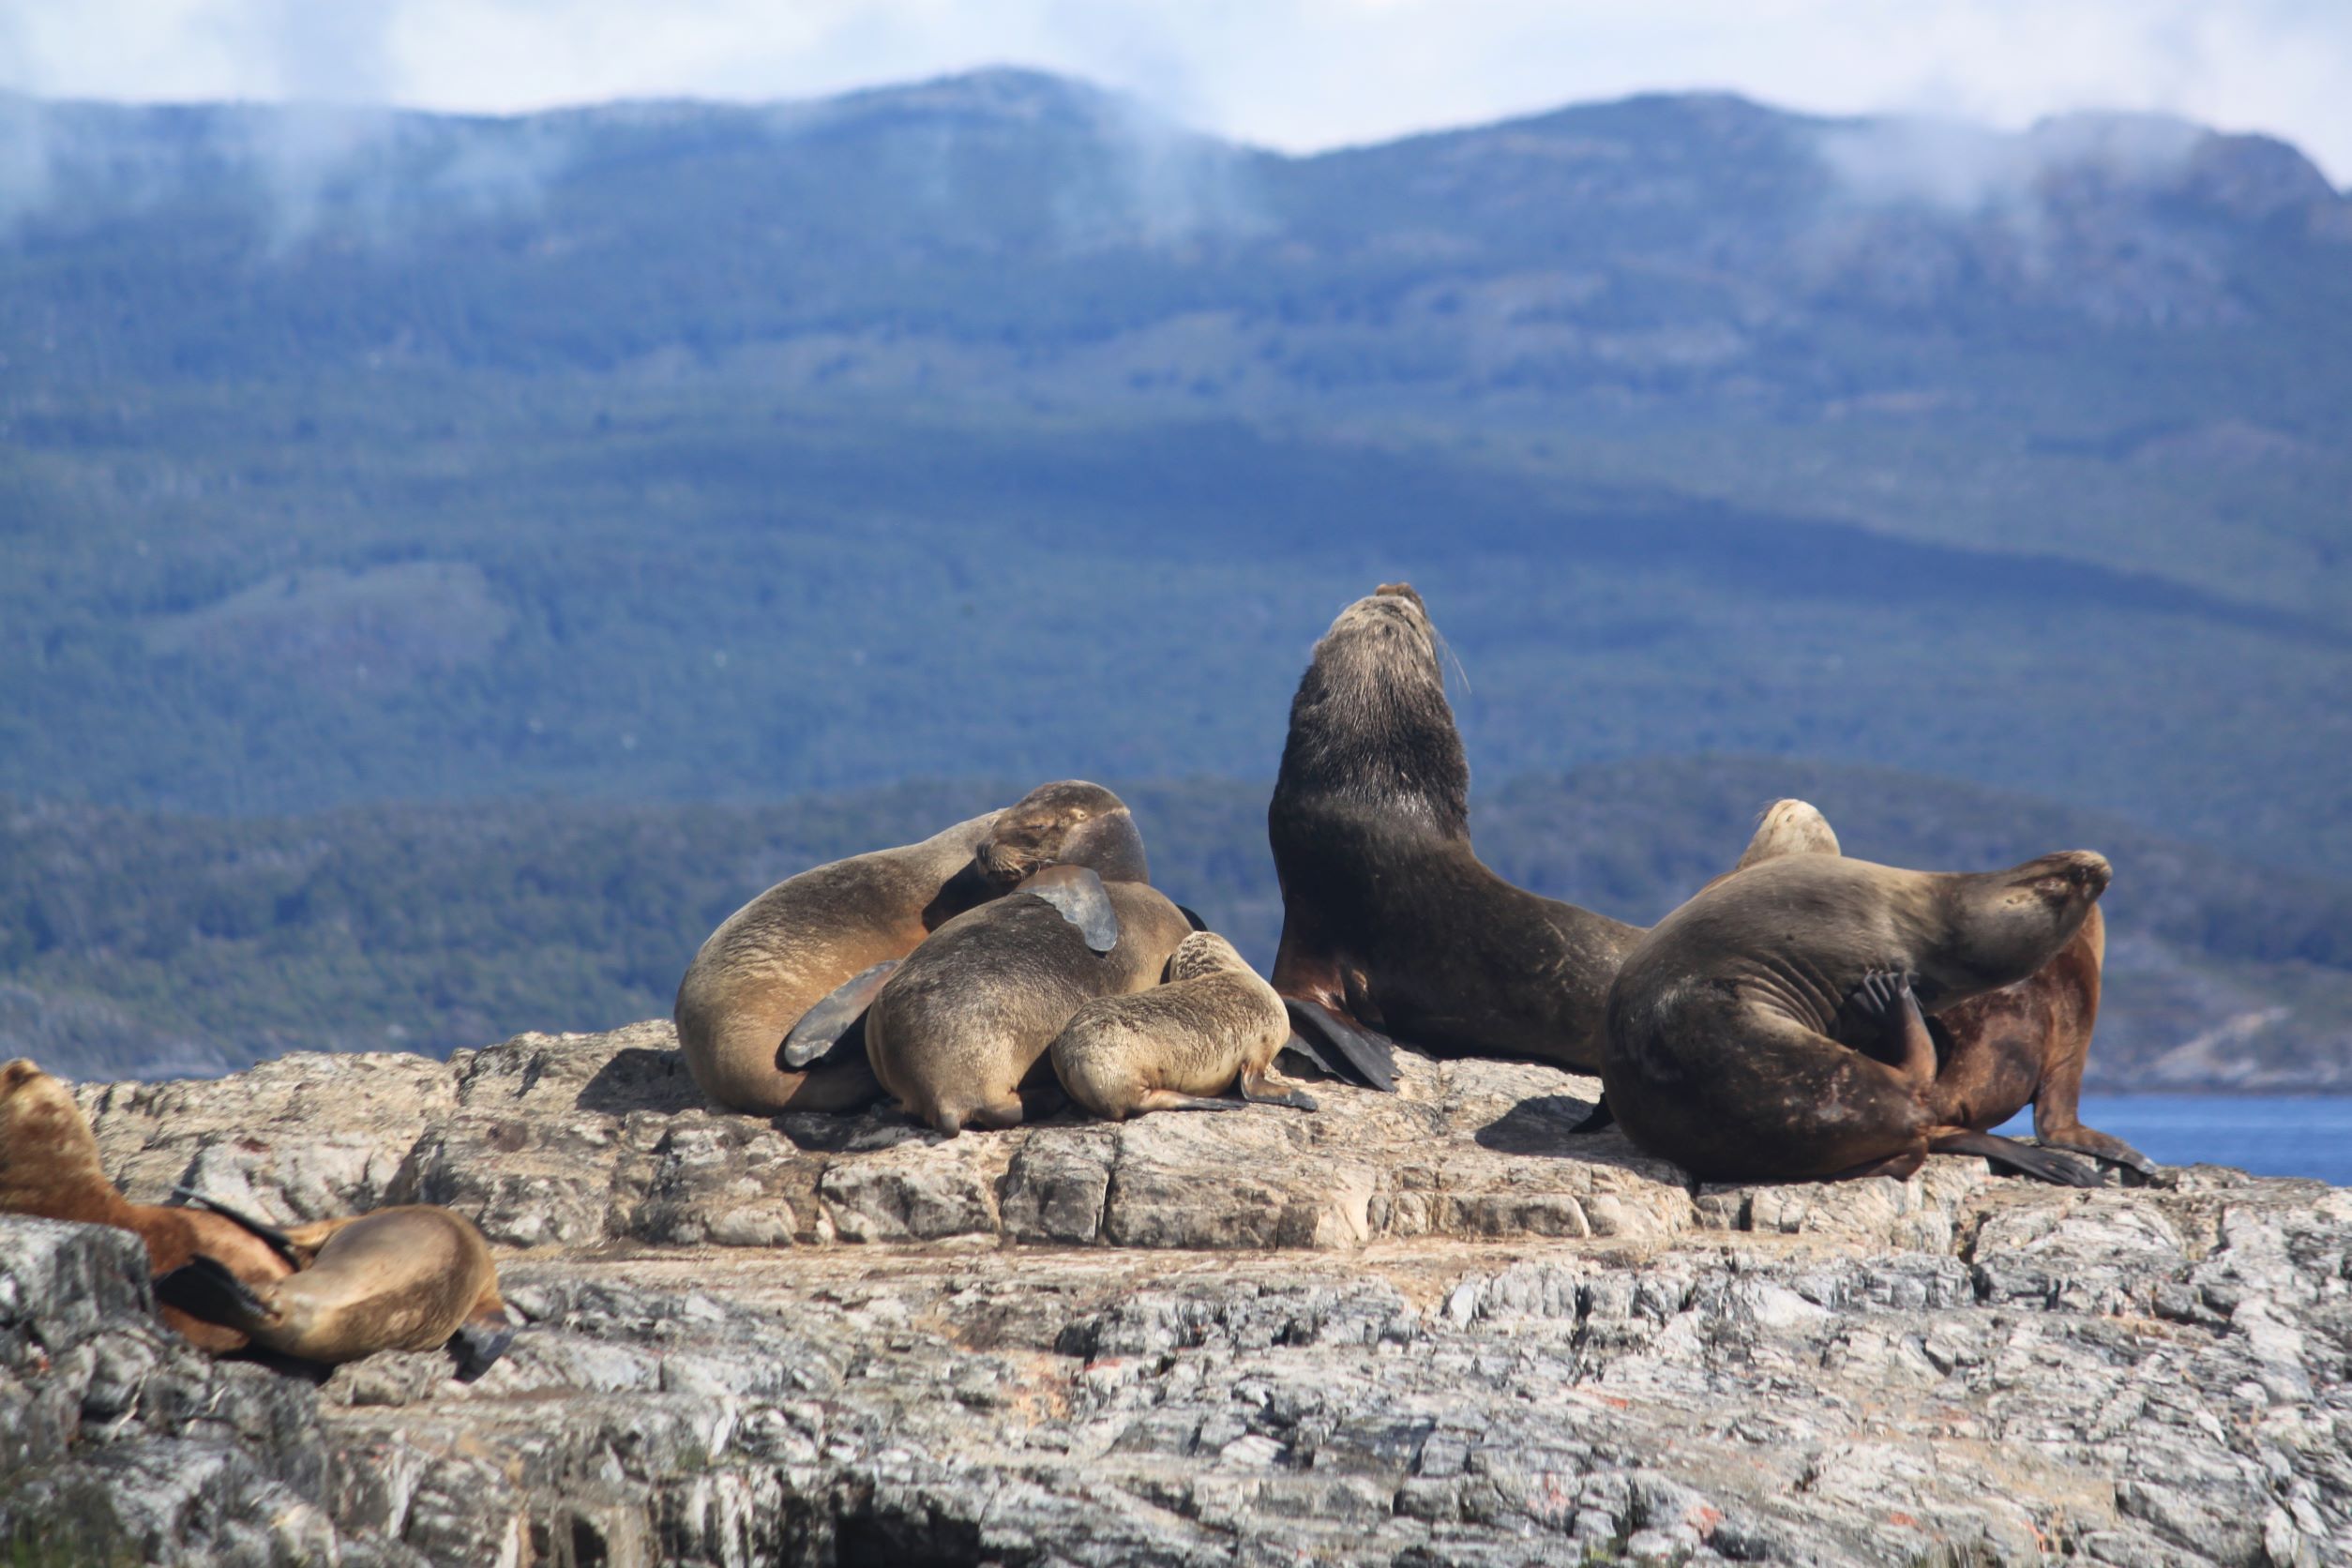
(50, 1168)
(768, 1010)
(1774, 1027)
(409, 1279)
(1212, 1023)
(1391, 926)
(955, 1032)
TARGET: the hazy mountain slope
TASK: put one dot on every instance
(140, 944)
(988, 428)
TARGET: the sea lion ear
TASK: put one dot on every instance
(822, 1027)
(1084, 902)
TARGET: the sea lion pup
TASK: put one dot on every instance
(1212, 1023)
(2022, 1045)
(48, 1168)
(409, 1279)
(768, 1010)
(1390, 924)
(957, 1028)
(1774, 1027)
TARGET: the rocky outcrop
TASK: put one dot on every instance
(1424, 1328)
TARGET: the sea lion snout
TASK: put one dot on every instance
(1400, 590)
(2072, 873)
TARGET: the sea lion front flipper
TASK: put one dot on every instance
(2080, 1140)
(479, 1343)
(295, 1255)
(205, 1290)
(820, 1030)
(1254, 1090)
(1370, 1056)
(1192, 917)
(2043, 1164)
(1599, 1119)
(1080, 895)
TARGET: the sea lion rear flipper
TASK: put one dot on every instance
(1597, 1120)
(1255, 1090)
(2100, 1146)
(2043, 1164)
(204, 1289)
(479, 1342)
(277, 1241)
(821, 1029)
(1370, 1056)
(1080, 895)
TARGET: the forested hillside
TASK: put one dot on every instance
(139, 943)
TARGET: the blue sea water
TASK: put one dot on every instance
(2272, 1135)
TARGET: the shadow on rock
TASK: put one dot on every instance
(640, 1080)
(1545, 1125)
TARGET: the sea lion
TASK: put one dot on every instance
(1996, 1054)
(1389, 923)
(767, 1012)
(1774, 1027)
(413, 1278)
(955, 1032)
(50, 1168)
(1214, 1022)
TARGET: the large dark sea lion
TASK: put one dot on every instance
(413, 1278)
(1997, 1053)
(1391, 926)
(1212, 1025)
(1774, 1027)
(956, 1031)
(767, 1011)
(48, 1168)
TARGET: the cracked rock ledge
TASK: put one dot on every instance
(1414, 1329)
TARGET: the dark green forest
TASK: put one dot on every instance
(138, 942)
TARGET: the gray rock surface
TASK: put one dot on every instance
(1427, 1328)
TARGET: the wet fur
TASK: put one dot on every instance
(1732, 1049)
(957, 1028)
(787, 950)
(1214, 1022)
(1389, 918)
(50, 1168)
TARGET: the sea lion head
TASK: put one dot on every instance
(2002, 926)
(1069, 822)
(1203, 953)
(1788, 827)
(1370, 721)
(44, 1137)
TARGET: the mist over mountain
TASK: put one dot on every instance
(994, 427)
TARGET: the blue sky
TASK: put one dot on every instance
(1297, 74)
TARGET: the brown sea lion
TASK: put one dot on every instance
(1391, 926)
(956, 1031)
(49, 1167)
(767, 1012)
(1774, 1027)
(1996, 1054)
(1212, 1024)
(409, 1279)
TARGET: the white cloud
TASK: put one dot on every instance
(1292, 73)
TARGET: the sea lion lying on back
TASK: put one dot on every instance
(408, 1278)
(955, 1032)
(1996, 1054)
(1212, 1023)
(1774, 1027)
(48, 1168)
(1389, 923)
(768, 1010)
